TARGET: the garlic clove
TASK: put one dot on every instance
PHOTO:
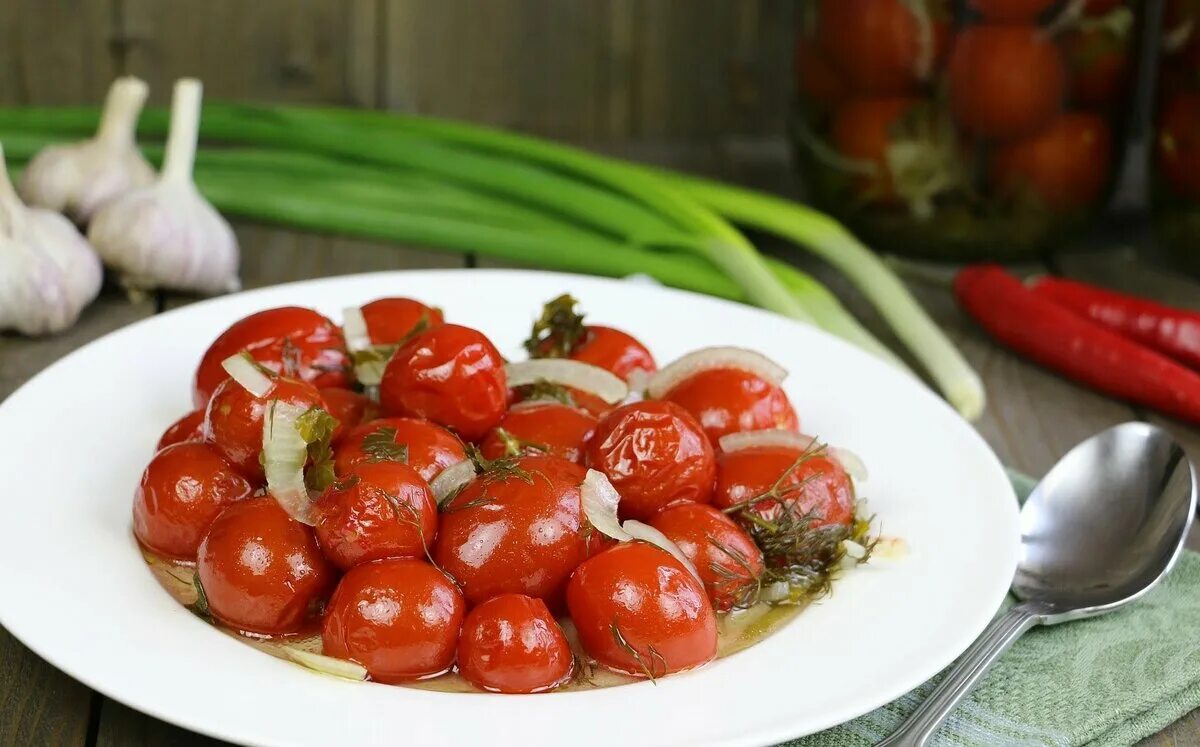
(76, 179)
(167, 235)
(48, 272)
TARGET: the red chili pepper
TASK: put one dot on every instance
(1074, 346)
(1170, 331)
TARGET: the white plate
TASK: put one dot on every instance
(73, 587)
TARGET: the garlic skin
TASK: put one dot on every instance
(78, 178)
(167, 235)
(48, 272)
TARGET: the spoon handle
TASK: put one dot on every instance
(970, 668)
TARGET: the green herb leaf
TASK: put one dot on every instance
(381, 446)
(316, 427)
(545, 390)
(558, 331)
(200, 607)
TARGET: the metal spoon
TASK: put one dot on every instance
(1099, 531)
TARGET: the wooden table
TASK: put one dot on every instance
(1032, 419)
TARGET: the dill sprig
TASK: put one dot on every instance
(559, 329)
(200, 607)
(516, 446)
(381, 446)
(653, 665)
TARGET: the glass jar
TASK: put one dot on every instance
(963, 129)
(1175, 184)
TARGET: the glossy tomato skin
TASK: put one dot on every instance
(380, 510)
(640, 595)
(512, 644)
(1065, 166)
(270, 336)
(562, 429)
(655, 454)
(613, 350)
(863, 129)
(183, 489)
(349, 408)
(874, 43)
(188, 428)
(234, 421)
(1178, 144)
(1099, 67)
(399, 618)
(827, 489)
(1005, 81)
(1011, 11)
(431, 448)
(504, 535)
(392, 320)
(451, 375)
(725, 400)
(712, 541)
(262, 570)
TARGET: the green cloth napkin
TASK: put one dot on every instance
(1111, 680)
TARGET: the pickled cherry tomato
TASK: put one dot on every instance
(816, 484)
(512, 644)
(1064, 166)
(519, 530)
(392, 320)
(349, 408)
(188, 428)
(727, 559)
(875, 44)
(451, 375)
(279, 339)
(725, 400)
(540, 428)
(655, 454)
(379, 510)
(639, 611)
(613, 350)
(1011, 11)
(234, 422)
(399, 618)
(430, 448)
(590, 403)
(185, 486)
(262, 570)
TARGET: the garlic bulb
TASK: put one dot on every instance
(76, 179)
(167, 235)
(48, 273)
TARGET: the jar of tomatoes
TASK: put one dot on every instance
(961, 129)
(1175, 187)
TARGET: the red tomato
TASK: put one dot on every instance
(512, 644)
(279, 338)
(261, 570)
(399, 618)
(1065, 166)
(863, 129)
(380, 510)
(234, 421)
(349, 408)
(1178, 144)
(519, 533)
(819, 81)
(638, 610)
(655, 454)
(728, 560)
(818, 484)
(431, 448)
(541, 428)
(184, 488)
(1011, 11)
(876, 44)
(1005, 81)
(613, 350)
(392, 320)
(725, 400)
(586, 401)
(188, 428)
(1098, 67)
(451, 375)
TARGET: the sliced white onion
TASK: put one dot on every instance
(639, 380)
(565, 372)
(370, 372)
(776, 592)
(242, 369)
(528, 404)
(705, 359)
(354, 329)
(449, 480)
(326, 664)
(741, 440)
(853, 549)
(284, 456)
(647, 533)
(851, 462)
(600, 500)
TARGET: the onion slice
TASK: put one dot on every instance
(647, 533)
(245, 370)
(565, 372)
(284, 455)
(451, 479)
(600, 500)
(354, 329)
(851, 462)
(705, 359)
(733, 442)
(330, 665)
